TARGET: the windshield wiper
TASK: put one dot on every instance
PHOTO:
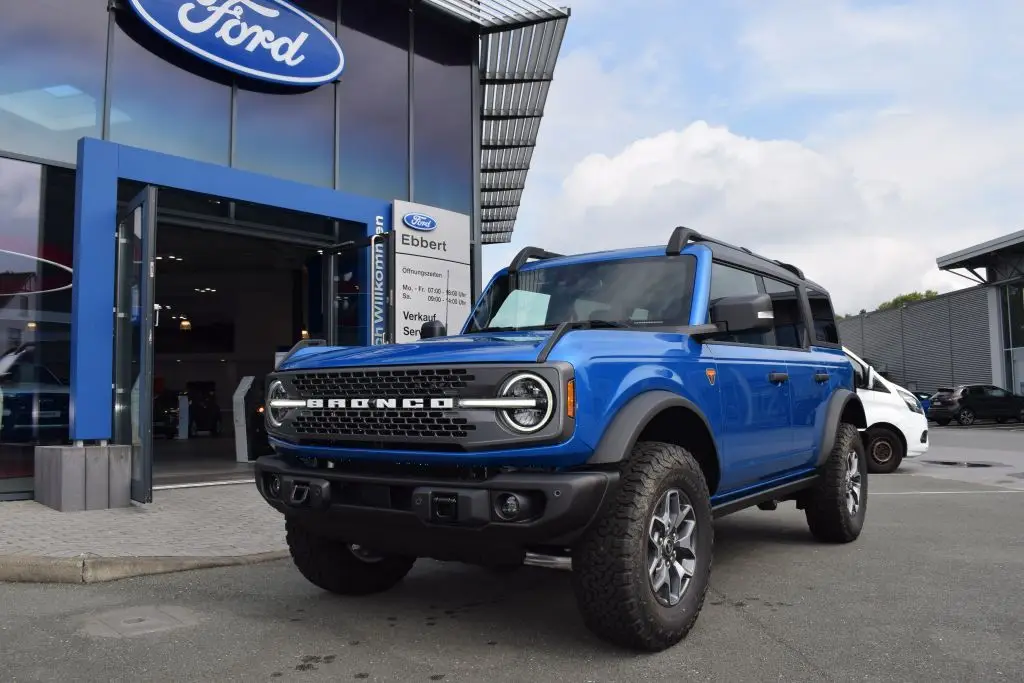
(599, 323)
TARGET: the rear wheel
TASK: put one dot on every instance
(965, 417)
(343, 568)
(885, 450)
(641, 572)
(835, 508)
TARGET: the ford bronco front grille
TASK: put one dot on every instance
(382, 383)
(369, 424)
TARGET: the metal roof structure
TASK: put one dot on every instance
(1001, 251)
(519, 46)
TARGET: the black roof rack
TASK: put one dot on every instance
(527, 253)
(791, 268)
(683, 235)
(679, 239)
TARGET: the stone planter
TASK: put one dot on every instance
(76, 478)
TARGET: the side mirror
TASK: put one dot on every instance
(431, 329)
(753, 313)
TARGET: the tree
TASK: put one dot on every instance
(909, 298)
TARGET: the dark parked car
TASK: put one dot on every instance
(165, 414)
(968, 403)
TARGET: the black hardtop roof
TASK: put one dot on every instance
(723, 251)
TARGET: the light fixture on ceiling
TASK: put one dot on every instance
(205, 290)
(185, 325)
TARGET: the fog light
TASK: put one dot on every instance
(274, 486)
(508, 506)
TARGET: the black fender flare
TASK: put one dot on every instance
(833, 413)
(629, 422)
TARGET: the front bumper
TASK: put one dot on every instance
(434, 516)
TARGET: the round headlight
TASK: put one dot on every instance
(276, 415)
(528, 386)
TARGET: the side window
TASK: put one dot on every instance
(825, 329)
(729, 281)
(786, 307)
(995, 392)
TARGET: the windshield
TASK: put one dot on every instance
(640, 292)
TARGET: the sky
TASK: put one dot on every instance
(857, 140)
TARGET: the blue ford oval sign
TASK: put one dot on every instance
(270, 40)
(419, 221)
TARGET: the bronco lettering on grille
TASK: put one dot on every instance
(382, 403)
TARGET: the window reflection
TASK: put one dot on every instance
(443, 124)
(350, 299)
(285, 133)
(1015, 314)
(374, 99)
(164, 100)
(36, 232)
(52, 60)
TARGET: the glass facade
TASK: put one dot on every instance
(52, 70)
(365, 134)
(443, 146)
(36, 235)
(398, 120)
(1012, 296)
(373, 100)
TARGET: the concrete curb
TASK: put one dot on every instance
(95, 569)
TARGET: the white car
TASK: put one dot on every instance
(897, 426)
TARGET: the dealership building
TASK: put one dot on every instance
(969, 336)
(189, 188)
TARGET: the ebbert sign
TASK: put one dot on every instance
(269, 40)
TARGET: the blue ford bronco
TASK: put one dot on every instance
(602, 409)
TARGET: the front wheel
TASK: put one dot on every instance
(836, 506)
(640, 574)
(343, 568)
(885, 450)
(966, 417)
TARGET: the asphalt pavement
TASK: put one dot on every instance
(930, 592)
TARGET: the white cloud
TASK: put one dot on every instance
(915, 147)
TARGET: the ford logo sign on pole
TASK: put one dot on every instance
(419, 221)
(269, 40)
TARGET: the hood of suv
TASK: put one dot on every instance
(506, 347)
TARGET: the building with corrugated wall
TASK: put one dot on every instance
(970, 336)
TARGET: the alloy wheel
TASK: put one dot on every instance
(966, 417)
(671, 547)
(853, 482)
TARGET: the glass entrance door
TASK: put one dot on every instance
(133, 338)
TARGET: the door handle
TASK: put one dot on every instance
(778, 377)
(820, 377)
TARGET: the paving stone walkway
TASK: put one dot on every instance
(217, 523)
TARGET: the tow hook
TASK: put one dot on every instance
(311, 493)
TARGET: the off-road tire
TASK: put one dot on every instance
(609, 567)
(333, 566)
(871, 439)
(826, 510)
